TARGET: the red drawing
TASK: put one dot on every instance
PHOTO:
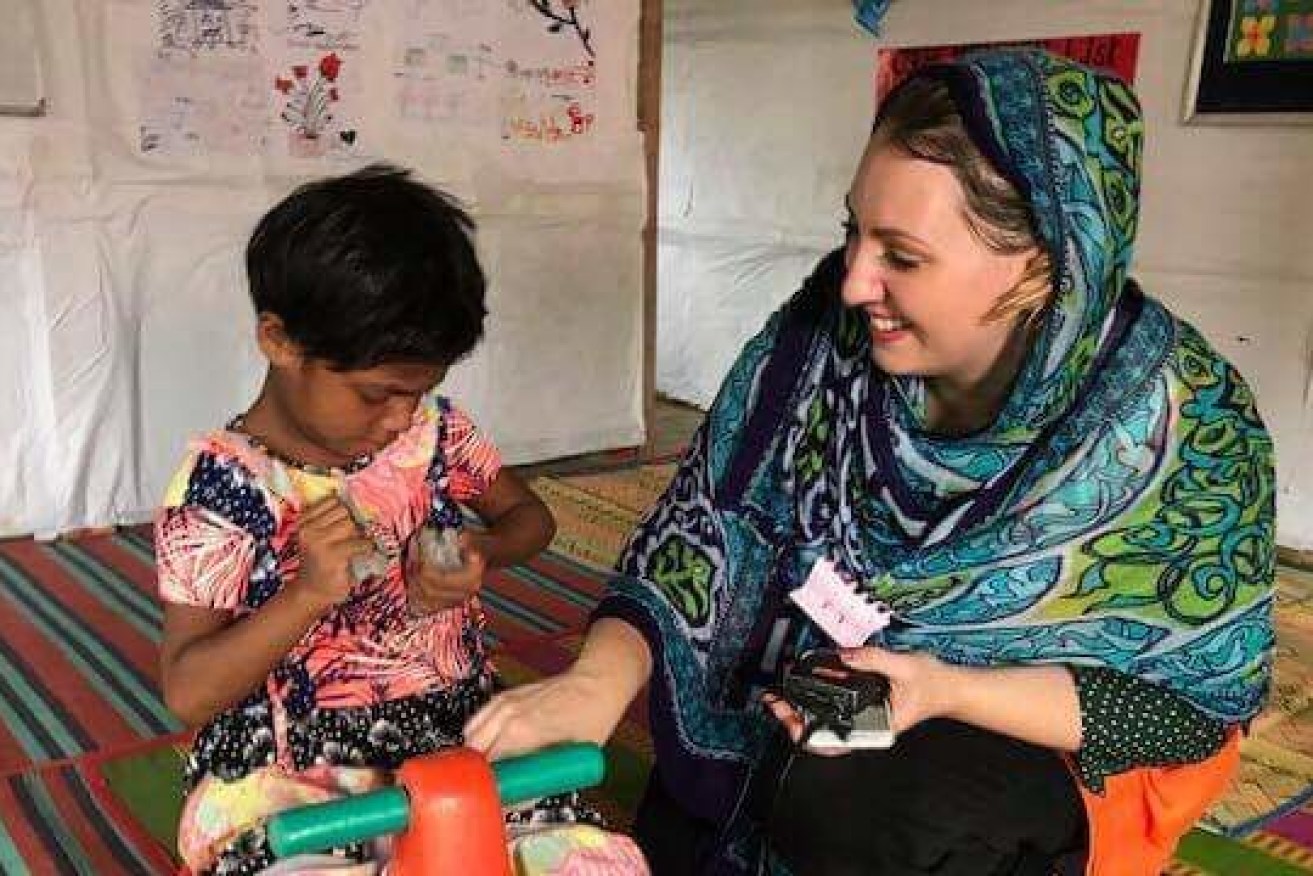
(309, 100)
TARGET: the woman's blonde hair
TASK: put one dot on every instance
(921, 119)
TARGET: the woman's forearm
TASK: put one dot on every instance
(617, 657)
(1036, 704)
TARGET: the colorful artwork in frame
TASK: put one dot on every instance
(1253, 63)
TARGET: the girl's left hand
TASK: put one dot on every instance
(921, 687)
(430, 589)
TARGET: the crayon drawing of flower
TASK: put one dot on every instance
(310, 97)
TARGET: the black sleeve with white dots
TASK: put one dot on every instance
(1128, 723)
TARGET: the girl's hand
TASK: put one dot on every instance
(570, 707)
(430, 589)
(921, 687)
(329, 540)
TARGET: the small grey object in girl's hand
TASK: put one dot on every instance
(440, 548)
(373, 565)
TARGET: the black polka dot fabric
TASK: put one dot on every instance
(1128, 723)
(241, 739)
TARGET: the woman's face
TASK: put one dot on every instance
(925, 280)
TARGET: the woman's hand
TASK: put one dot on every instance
(431, 589)
(583, 704)
(1036, 704)
(570, 707)
(921, 687)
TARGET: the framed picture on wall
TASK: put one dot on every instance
(1253, 63)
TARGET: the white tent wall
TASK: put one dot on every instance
(766, 106)
(125, 326)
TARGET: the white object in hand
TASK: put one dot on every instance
(846, 616)
(873, 729)
(440, 548)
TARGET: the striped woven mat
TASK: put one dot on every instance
(89, 761)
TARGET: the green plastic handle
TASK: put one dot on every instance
(308, 829)
(555, 770)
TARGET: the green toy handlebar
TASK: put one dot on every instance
(307, 829)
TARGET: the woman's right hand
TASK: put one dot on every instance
(570, 707)
(329, 539)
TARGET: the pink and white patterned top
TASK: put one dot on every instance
(226, 539)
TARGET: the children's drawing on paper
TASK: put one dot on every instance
(447, 70)
(309, 94)
(524, 70)
(324, 24)
(550, 89)
(207, 26)
(443, 79)
(549, 103)
(195, 109)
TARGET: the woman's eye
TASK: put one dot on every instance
(899, 262)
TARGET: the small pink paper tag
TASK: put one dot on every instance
(837, 608)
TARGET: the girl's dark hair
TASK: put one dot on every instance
(370, 268)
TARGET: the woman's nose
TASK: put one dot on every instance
(864, 282)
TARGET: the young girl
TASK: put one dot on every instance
(304, 632)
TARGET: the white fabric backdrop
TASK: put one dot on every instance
(124, 321)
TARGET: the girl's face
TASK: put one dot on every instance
(925, 280)
(331, 417)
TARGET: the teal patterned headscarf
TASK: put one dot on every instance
(1118, 513)
(1136, 530)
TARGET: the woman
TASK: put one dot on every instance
(1064, 493)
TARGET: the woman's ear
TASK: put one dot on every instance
(277, 347)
